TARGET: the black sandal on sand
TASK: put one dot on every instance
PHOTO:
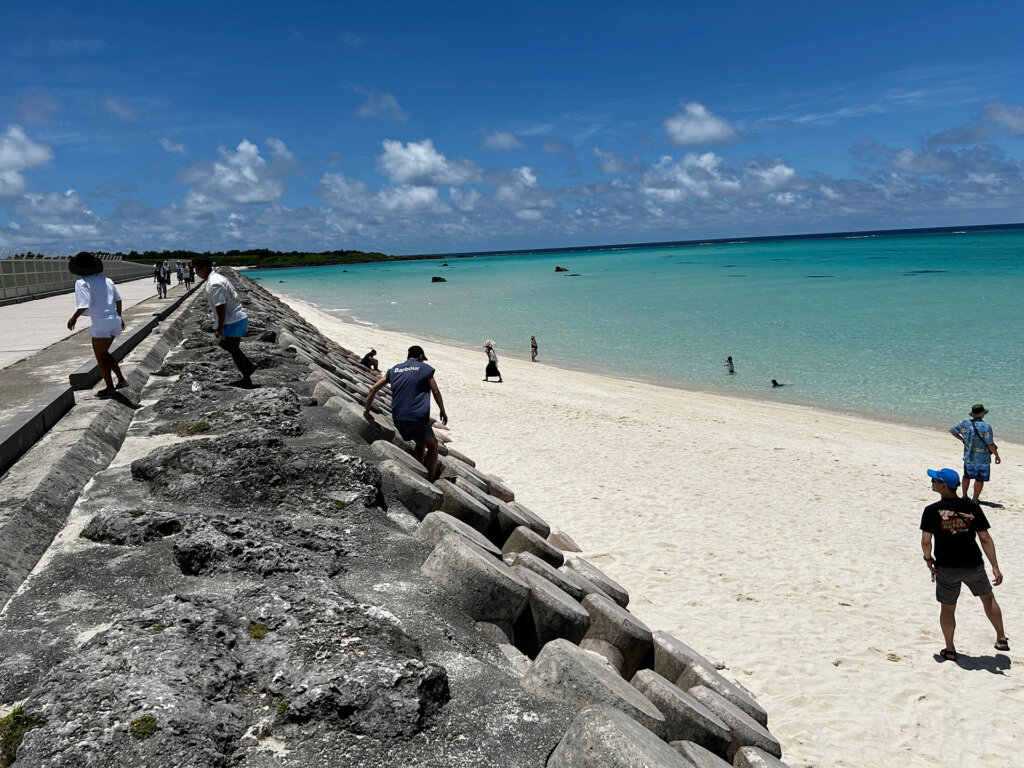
(947, 655)
(1003, 645)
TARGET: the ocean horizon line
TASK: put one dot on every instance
(736, 240)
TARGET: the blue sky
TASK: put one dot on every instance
(418, 127)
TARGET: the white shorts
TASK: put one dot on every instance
(105, 327)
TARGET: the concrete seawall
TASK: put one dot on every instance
(263, 573)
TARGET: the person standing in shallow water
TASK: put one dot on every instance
(952, 523)
(729, 367)
(533, 349)
(230, 322)
(492, 362)
(979, 448)
(98, 297)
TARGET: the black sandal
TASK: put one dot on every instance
(947, 655)
(1003, 645)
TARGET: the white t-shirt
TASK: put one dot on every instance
(219, 290)
(96, 294)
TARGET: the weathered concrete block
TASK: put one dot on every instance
(698, 755)
(564, 541)
(752, 757)
(486, 588)
(325, 390)
(465, 507)
(522, 539)
(746, 732)
(603, 737)
(437, 525)
(518, 661)
(612, 625)
(461, 457)
(532, 562)
(385, 449)
(608, 585)
(550, 614)
(687, 720)
(672, 656)
(708, 676)
(504, 519)
(535, 522)
(453, 468)
(565, 672)
(351, 416)
(497, 488)
(588, 587)
(420, 497)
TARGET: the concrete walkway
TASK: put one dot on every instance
(49, 352)
(34, 325)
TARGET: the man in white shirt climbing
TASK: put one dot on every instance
(230, 322)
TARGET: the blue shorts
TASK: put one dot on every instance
(235, 330)
(977, 470)
(417, 431)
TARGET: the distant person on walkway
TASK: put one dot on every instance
(369, 360)
(98, 297)
(952, 523)
(729, 367)
(533, 349)
(492, 362)
(158, 278)
(412, 384)
(979, 448)
(180, 269)
(230, 322)
(190, 275)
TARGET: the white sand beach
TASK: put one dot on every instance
(781, 540)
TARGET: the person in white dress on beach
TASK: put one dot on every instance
(97, 297)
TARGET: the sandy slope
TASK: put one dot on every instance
(781, 540)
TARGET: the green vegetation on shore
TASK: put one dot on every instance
(261, 257)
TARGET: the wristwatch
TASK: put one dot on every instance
(929, 559)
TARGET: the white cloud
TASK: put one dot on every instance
(119, 109)
(419, 164)
(769, 175)
(1009, 116)
(697, 126)
(17, 153)
(699, 175)
(610, 163)
(340, 192)
(382, 104)
(464, 200)
(241, 176)
(173, 147)
(501, 140)
(412, 198)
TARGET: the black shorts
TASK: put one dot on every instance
(948, 581)
(417, 431)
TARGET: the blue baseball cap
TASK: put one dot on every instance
(946, 475)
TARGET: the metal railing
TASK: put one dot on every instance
(26, 277)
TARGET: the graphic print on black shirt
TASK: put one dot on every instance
(954, 523)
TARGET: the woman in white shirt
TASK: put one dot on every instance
(97, 297)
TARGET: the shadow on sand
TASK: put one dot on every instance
(997, 664)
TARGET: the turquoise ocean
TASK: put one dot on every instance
(912, 328)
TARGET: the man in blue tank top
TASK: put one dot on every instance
(412, 384)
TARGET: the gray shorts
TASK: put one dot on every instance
(948, 581)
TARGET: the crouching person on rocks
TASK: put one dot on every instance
(412, 384)
(230, 322)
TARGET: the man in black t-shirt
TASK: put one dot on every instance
(953, 522)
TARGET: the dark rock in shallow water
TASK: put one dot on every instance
(561, 269)
(438, 279)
